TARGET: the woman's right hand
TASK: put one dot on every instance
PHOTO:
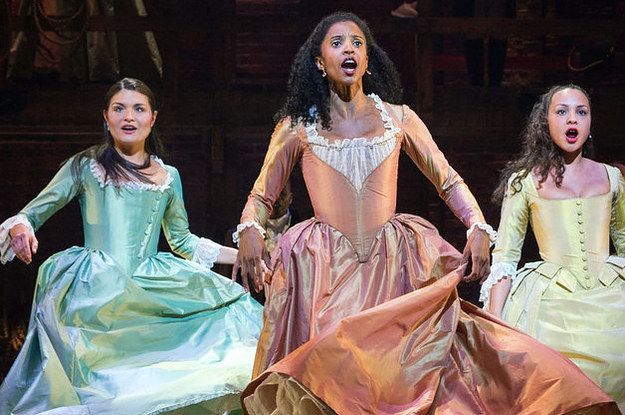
(23, 242)
(252, 259)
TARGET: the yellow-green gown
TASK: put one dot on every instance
(574, 299)
(119, 328)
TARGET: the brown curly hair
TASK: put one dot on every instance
(539, 153)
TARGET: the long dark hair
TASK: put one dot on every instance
(539, 153)
(117, 168)
(306, 87)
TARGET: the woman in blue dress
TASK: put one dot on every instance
(117, 327)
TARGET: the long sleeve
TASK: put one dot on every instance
(513, 224)
(511, 234)
(283, 153)
(176, 230)
(58, 193)
(617, 222)
(424, 152)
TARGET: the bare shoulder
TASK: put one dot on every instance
(595, 168)
(396, 109)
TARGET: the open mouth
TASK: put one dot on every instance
(349, 66)
(129, 129)
(571, 135)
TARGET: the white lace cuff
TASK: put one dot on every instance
(206, 252)
(6, 252)
(498, 271)
(492, 234)
(244, 225)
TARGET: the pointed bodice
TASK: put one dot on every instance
(352, 183)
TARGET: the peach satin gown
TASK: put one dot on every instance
(362, 313)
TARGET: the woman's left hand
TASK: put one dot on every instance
(477, 250)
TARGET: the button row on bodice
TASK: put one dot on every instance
(150, 224)
(582, 241)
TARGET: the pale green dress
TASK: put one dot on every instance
(574, 299)
(119, 328)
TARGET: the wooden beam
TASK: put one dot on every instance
(473, 26)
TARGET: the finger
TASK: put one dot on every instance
(235, 270)
(26, 252)
(22, 251)
(34, 244)
(246, 284)
(486, 274)
(21, 254)
(471, 277)
(466, 254)
(259, 274)
(266, 275)
(482, 265)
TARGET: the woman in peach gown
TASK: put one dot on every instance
(362, 313)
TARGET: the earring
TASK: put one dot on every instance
(367, 71)
(323, 72)
(590, 136)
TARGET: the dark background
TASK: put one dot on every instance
(224, 70)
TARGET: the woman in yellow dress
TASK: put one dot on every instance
(574, 299)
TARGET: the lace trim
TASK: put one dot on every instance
(6, 251)
(492, 234)
(99, 175)
(249, 224)
(356, 158)
(498, 271)
(206, 252)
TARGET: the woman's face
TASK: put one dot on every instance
(129, 117)
(344, 53)
(569, 119)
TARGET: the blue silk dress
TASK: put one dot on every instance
(119, 328)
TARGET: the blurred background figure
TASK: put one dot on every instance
(407, 9)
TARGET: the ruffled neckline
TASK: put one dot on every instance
(99, 175)
(390, 131)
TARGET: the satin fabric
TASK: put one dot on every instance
(119, 328)
(411, 346)
(426, 352)
(573, 300)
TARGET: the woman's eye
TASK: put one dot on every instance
(560, 112)
(582, 112)
(335, 43)
(357, 43)
(118, 109)
(140, 109)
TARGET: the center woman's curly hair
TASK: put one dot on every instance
(539, 153)
(306, 87)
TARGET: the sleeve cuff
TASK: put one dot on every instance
(244, 225)
(6, 252)
(206, 252)
(492, 234)
(498, 271)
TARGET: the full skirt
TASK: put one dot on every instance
(171, 336)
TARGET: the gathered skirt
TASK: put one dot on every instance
(391, 336)
(171, 336)
(586, 325)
